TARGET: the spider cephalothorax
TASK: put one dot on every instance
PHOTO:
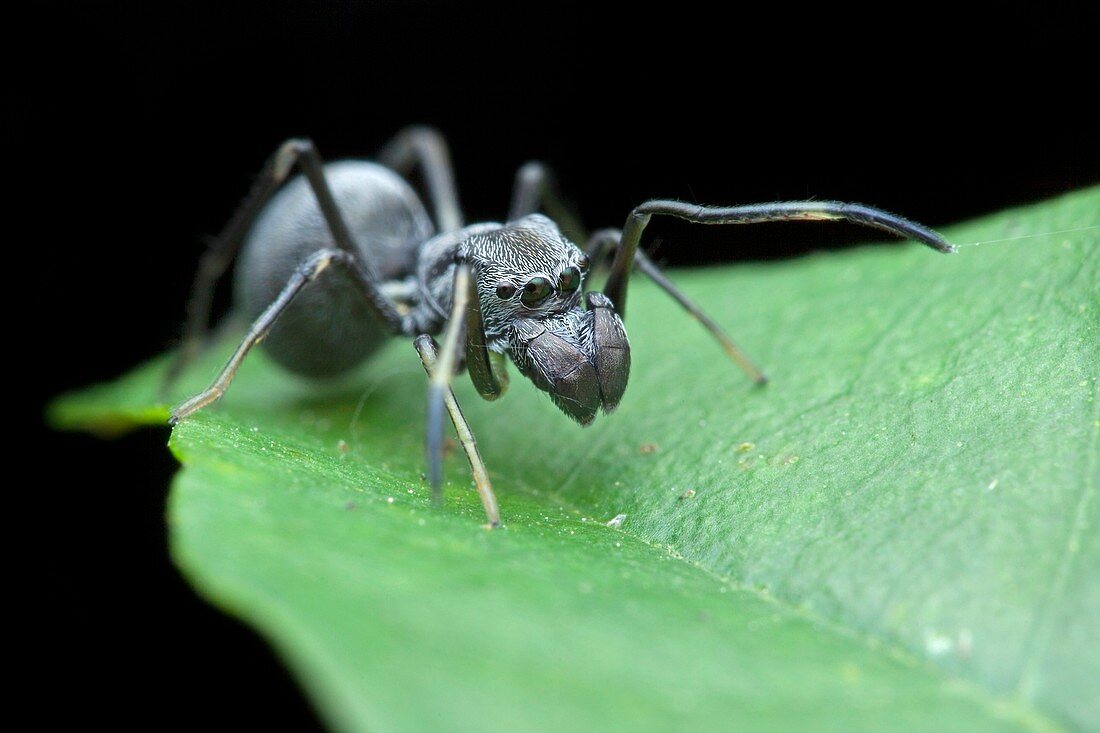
(523, 269)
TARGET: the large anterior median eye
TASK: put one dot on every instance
(536, 290)
(569, 280)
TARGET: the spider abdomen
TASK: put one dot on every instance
(329, 329)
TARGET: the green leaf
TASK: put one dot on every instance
(898, 533)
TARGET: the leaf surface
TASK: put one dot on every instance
(899, 532)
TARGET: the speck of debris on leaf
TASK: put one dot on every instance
(617, 521)
(689, 494)
(937, 643)
(350, 505)
(647, 448)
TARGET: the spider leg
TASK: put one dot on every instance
(753, 214)
(440, 367)
(536, 188)
(227, 244)
(487, 369)
(306, 273)
(425, 146)
(597, 249)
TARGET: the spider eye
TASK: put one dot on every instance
(505, 291)
(536, 290)
(569, 280)
(583, 262)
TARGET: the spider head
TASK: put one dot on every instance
(526, 270)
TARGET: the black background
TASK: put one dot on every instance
(134, 130)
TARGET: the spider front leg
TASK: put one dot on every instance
(754, 214)
(441, 367)
(628, 255)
